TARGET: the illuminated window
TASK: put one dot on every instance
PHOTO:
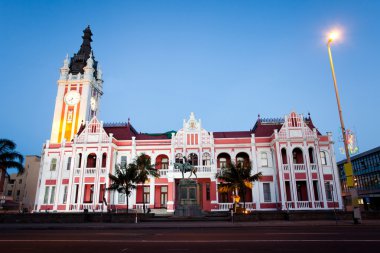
(123, 161)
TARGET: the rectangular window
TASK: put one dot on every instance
(52, 195)
(88, 193)
(46, 196)
(121, 198)
(207, 191)
(53, 164)
(164, 164)
(123, 161)
(264, 160)
(328, 187)
(146, 194)
(267, 193)
(68, 163)
(64, 195)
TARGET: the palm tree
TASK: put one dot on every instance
(124, 180)
(144, 169)
(9, 158)
(237, 179)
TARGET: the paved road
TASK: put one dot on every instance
(192, 239)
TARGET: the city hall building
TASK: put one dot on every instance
(297, 162)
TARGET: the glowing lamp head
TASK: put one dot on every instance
(333, 36)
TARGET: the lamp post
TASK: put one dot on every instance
(348, 165)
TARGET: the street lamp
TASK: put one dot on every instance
(348, 165)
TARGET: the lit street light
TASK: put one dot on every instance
(348, 165)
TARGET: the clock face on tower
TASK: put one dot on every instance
(72, 97)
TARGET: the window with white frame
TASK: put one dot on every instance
(179, 158)
(264, 160)
(164, 163)
(323, 158)
(267, 193)
(121, 198)
(223, 162)
(52, 195)
(46, 196)
(64, 199)
(329, 191)
(123, 161)
(53, 164)
(206, 159)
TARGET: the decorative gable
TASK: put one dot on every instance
(192, 133)
(93, 133)
(295, 127)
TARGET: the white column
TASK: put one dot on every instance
(255, 169)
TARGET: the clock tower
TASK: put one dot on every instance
(80, 87)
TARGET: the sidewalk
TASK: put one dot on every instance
(179, 225)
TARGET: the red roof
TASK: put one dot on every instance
(265, 130)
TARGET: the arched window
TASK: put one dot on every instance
(193, 159)
(104, 160)
(284, 156)
(206, 159)
(162, 162)
(179, 158)
(242, 160)
(223, 160)
(297, 156)
(264, 160)
(53, 164)
(91, 160)
(323, 158)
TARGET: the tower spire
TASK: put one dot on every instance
(79, 60)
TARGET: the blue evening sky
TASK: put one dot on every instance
(226, 61)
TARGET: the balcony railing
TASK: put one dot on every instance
(303, 204)
(299, 167)
(200, 169)
(225, 206)
(163, 172)
(313, 167)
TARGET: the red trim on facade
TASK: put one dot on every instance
(286, 176)
(314, 176)
(300, 175)
(50, 182)
(327, 177)
(61, 207)
(268, 205)
(232, 141)
(46, 207)
(65, 181)
(89, 179)
(161, 181)
(266, 178)
(76, 180)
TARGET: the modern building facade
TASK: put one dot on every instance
(366, 169)
(21, 188)
(296, 160)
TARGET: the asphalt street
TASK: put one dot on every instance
(329, 238)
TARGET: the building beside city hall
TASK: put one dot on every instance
(297, 161)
